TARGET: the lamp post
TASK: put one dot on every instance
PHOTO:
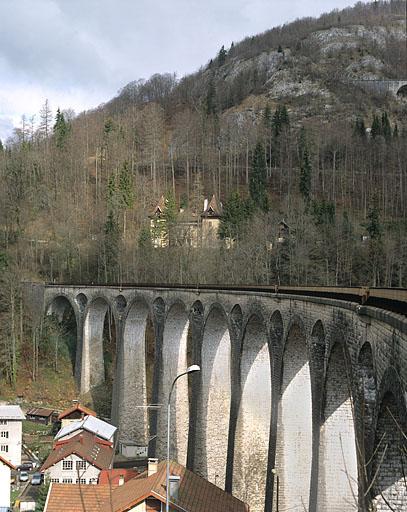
(190, 369)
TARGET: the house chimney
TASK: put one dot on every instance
(174, 487)
(205, 205)
(75, 402)
(152, 466)
(121, 479)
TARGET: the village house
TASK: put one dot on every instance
(188, 492)
(5, 481)
(11, 431)
(191, 229)
(79, 459)
(74, 413)
(90, 424)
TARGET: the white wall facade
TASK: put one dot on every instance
(11, 432)
(5, 477)
(56, 472)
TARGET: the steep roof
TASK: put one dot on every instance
(159, 208)
(11, 412)
(214, 208)
(85, 445)
(90, 424)
(195, 493)
(6, 462)
(74, 408)
(77, 498)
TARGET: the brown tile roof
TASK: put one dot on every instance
(77, 498)
(38, 411)
(6, 462)
(159, 208)
(96, 451)
(74, 408)
(195, 493)
(112, 476)
(214, 208)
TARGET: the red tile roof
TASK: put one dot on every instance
(74, 408)
(77, 498)
(112, 476)
(195, 493)
(96, 451)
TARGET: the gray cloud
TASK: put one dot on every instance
(80, 52)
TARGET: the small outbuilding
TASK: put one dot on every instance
(41, 415)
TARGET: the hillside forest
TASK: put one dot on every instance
(273, 125)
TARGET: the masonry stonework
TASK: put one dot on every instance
(312, 405)
(253, 426)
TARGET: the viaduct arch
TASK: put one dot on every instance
(301, 403)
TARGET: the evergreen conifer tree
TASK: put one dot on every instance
(267, 117)
(360, 128)
(396, 131)
(111, 247)
(222, 56)
(376, 129)
(126, 187)
(211, 98)
(60, 129)
(235, 213)
(258, 179)
(386, 128)
(305, 167)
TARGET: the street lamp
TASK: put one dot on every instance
(190, 369)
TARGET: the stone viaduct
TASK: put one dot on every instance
(393, 87)
(300, 404)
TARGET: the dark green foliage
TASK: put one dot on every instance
(376, 129)
(126, 187)
(42, 497)
(210, 102)
(359, 128)
(386, 128)
(323, 212)
(222, 56)
(144, 238)
(267, 117)
(170, 210)
(396, 131)
(373, 226)
(375, 249)
(4, 260)
(280, 49)
(109, 126)
(305, 167)
(61, 130)
(110, 249)
(258, 179)
(183, 203)
(235, 213)
(1, 146)
(280, 120)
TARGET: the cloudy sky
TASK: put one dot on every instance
(78, 53)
